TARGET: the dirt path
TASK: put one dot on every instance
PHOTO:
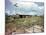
(37, 29)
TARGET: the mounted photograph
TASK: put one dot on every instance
(23, 17)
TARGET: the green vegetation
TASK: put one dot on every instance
(24, 22)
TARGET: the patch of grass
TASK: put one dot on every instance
(24, 22)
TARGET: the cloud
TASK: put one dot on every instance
(40, 3)
(34, 9)
(24, 13)
(7, 11)
(10, 12)
(26, 8)
(14, 1)
(13, 12)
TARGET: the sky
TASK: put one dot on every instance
(25, 7)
